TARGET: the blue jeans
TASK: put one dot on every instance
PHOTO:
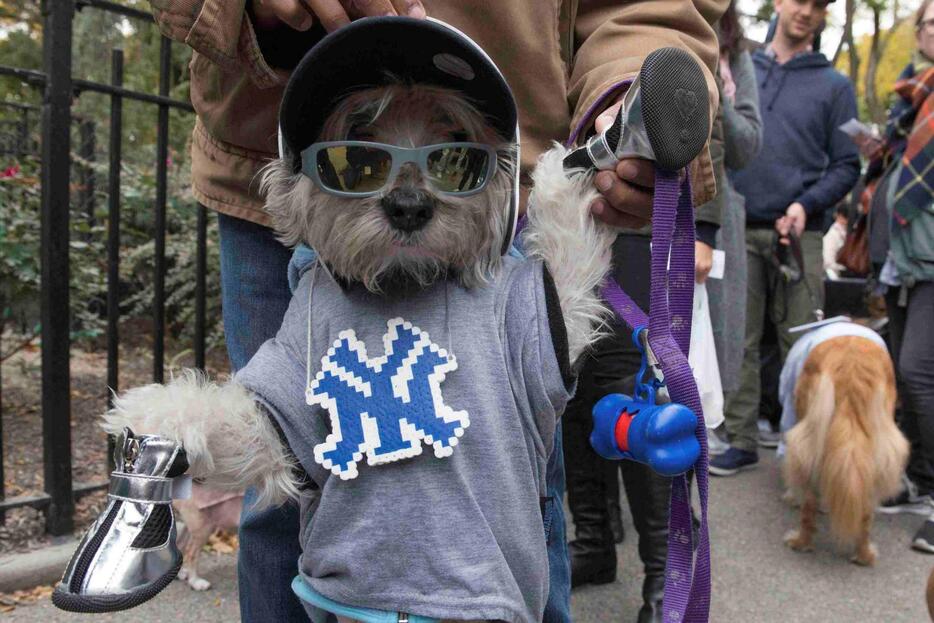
(558, 608)
(255, 297)
(255, 294)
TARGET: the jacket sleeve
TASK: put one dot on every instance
(221, 31)
(612, 38)
(742, 125)
(843, 166)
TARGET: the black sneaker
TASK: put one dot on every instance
(908, 501)
(924, 538)
(732, 461)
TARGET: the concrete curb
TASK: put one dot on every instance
(36, 568)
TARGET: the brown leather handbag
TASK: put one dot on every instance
(854, 254)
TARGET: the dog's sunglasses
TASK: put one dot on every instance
(363, 169)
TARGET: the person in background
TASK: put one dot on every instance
(584, 53)
(903, 204)
(833, 241)
(736, 138)
(805, 167)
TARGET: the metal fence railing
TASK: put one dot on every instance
(59, 87)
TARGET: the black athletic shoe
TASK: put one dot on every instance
(924, 538)
(908, 501)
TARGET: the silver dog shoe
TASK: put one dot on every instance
(129, 555)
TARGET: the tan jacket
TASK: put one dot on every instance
(564, 60)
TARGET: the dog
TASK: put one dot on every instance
(205, 512)
(438, 258)
(409, 401)
(384, 251)
(846, 450)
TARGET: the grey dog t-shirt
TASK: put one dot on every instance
(421, 525)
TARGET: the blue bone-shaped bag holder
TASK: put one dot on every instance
(636, 428)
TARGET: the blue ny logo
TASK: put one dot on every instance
(385, 407)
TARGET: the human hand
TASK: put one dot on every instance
(868, 144)
(626, 191)
(703, 261)
(300, 14)
(794, 221)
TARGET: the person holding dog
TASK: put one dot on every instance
(583, 53)
(806, 165)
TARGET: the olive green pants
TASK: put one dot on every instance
(786, 305)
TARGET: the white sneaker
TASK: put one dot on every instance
(715, 445)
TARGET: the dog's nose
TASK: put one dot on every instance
(408, 209)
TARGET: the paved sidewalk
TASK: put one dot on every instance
(755, 577)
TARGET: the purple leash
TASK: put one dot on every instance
(687, 581)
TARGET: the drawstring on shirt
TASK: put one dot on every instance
(311, 287)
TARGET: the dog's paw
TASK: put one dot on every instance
(795, 541)
(182, 574)
(198, 584)
(789, 498)
(865, 556)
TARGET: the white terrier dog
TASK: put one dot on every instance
(407, 196)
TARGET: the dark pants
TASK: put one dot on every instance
(911, 341)
(611, 368)
(786, 305)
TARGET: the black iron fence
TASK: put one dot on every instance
(56, 120)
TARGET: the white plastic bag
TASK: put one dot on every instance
(703, 359)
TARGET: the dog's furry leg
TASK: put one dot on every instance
(196, 534)
(229, 440)
(562, 232)
(865, 551)
(802, 540)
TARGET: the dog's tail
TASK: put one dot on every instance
(847, 473)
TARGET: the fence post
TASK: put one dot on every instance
(162, 156)
(113, 239)
(88, 179)
(54, 299)
(201, 264)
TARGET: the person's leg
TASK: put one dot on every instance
(648, 495)
(592, 551)
(611, 369)
(916, 369)
(797, 303)
(558, 607)
(255, 295)
(742, 409)
(613, 504)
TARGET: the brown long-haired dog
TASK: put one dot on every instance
(845, 450)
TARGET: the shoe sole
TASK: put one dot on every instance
(675, 108)
(675, 111)
(72, 602)
(771, 445)
(921, 545)
(722, 471)
(921, 509)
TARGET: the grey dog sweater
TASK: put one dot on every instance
(426, 426)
